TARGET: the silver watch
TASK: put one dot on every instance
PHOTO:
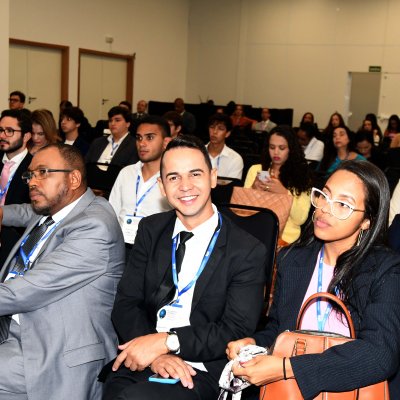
(172, 342)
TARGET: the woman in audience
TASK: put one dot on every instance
(335, 121)
(44, 130)
(339, 147)
(341, 251)
(289, 173)
(365, 146)
(308, 117)
(391, 130)
(369, 126)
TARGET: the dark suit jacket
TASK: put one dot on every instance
(82, 145)
(18, 193)
(374, 307)
(227, 300)
(126, 154)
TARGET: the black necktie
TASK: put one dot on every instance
(180, 251)
(33, 238)
(167, 288)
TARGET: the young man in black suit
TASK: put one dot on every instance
(15, 131)
(174, 314)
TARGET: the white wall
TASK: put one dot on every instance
(4, 27)
(155, 30)
(289, 53)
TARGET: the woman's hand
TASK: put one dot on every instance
(271, 185)
(233, 348)
(263, 369)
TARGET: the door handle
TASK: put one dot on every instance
(104, 101)
(31, 99)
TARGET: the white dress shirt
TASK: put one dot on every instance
(229, 163)
(110, 150)
(123, 199)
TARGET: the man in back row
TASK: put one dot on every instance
(194, 282)
(58, 284)
(135, 193)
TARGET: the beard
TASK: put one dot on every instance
(48, 207)
(14, 147)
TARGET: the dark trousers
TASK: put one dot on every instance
(125, 384)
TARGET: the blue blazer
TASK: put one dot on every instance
(374, 307)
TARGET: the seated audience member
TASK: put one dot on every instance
(71, 120)
(188, 119)
(370, 125)
(16, 101)
(343, 249)
(58, 284)
(135, 193)
(265, 125)
(394, 203)
(365, 146)
(108, 155)
(175, 123)
(339, 147)
(44, 130)
(312, 147)
(395, 141)
(239, 119)
(307, 118)
(289, 173)
(118, 148)
(15, 133)
(174, 317)
(336, 120)
(393, 127)
(141, 110)
(228, 162)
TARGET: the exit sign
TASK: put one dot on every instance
(374, 68)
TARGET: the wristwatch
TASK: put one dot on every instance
(172, 342)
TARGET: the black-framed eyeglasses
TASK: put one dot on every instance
(338, 208)
(40, 173)
(9, 131)
(13, 100)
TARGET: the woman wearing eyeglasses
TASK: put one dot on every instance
(341, 251)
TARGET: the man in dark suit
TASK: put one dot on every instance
(174, 313)
(108, 155)
(188, 119)
(15, 131)
(141, 110)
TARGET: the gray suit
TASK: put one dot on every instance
(260, 128)
(64, 302)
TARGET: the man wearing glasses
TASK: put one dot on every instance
(58, 284)
(16, 100)
(15, 131)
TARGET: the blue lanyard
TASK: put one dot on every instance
(321, 319)
(114, 146)
(26, 258)
(3, 191)
(138, 202)
(206, 257)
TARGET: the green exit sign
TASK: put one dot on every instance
(374, 68)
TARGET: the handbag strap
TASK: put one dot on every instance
(330, 297)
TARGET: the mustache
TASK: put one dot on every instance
(4, 141)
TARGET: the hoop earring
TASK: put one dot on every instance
(313, 216)
(360, 235)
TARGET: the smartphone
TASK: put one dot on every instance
(160, 379)
(263, 175)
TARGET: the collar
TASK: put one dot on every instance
(58, 216)
(207, 226)
(224, 151)
(110, 137)
(17, 159)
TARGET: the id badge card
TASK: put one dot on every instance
(167, 317)
(129, 228)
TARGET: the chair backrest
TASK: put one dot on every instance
(222, 193)
(263, 225)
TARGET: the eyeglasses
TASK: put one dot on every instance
(338, 208)
(13, 100)
(9, 131)
(40, 174)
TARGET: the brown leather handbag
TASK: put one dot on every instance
(298, 342)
